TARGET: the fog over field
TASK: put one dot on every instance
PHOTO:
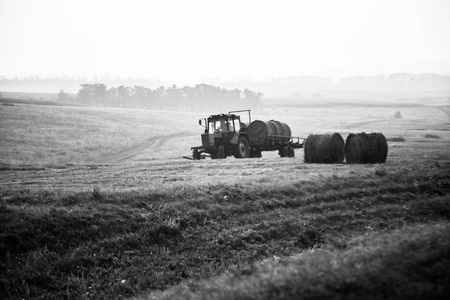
(187, 43)
(224, 149)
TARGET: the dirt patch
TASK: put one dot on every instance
(361, 124)
(446, 110)
(154, 142)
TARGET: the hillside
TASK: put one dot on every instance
(155, 226)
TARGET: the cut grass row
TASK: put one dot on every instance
(100, 245)
(411, 263)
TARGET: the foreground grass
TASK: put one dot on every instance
(57, 244)
(411, 263)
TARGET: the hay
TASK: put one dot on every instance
(286, 132)
(281, 133)
(272, 132)
(258, 131)
(324, 148)
(366, 148)
(380, 145)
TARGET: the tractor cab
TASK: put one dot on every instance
(220, 130)
(225, 123)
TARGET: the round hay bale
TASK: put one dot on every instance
(258, 131)
(362, 148)
(286, 132)
(380, 146)
(272, 132)
(324, 148)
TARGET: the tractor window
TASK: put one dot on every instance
(230, 125)
(222, 125)
(212, 126)
(237, 125)
(218, 126)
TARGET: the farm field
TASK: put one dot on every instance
(98, 203)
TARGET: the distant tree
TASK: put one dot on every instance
(1, 95)
(63, 97)
(174, 96)
(398, 115)
(251, 98)
(200, 97)
(99, 92)
(112, 97)
(139, 94)
(84, 95)
(123, 94)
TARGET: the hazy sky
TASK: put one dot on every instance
(187, 41)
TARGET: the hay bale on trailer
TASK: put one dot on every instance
(324, 148)
(365, 148)
(272, 132)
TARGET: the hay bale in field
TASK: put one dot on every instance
(324, 148)
(366, 148)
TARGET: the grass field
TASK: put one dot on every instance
(155, 226)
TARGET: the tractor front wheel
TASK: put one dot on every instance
(221, 152)
(196, 154)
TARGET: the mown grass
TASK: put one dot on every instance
(432, 136)
(112, 244)
(99, 231)
(57, 135)
(411, 263)
(52, 135)
(396, 139)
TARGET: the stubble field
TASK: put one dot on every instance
(97, 203)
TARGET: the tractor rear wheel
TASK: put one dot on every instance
(242, 149)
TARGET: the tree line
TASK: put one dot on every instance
(396, 81)
(199, 97)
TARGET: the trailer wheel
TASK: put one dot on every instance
(242, 149)
(284, 151)
(291, 151)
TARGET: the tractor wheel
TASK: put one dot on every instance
(196, 154)
(242, 149)
(221, 152)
